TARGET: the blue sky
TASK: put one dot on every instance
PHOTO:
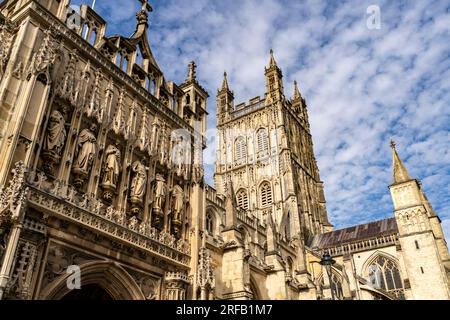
(363, 87)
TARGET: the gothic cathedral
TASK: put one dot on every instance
(103, 196)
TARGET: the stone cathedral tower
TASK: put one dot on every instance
(266, 148)
(421, 237)
(265, 152)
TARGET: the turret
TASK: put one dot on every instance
(225, 101)
(423, 246)
(274, 81)
(194, 104)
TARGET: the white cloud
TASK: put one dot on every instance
(362, 86)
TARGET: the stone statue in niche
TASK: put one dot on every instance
(178, 202)
(138, 185)
(160, 193)
(55, 139)
(179, 155)
(160, 198)
(177, 209)
(155, 135)
(85, 150)
(111, 170)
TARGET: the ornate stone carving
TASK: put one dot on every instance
(164, 145)
(143, 141)
(197, 173)
(18, 70)
(156, 126)
(149, 284)
(59, 258)
(4, 231)
(86, 150)
(133, 224)
(46, 55)
(205, 274)
(6, 36)
(108, 98)
(94, 109)
(176, 284)
(69, 81)
(118, 124)
(111, 170)
(129, 128)
(13, 198)
(20, 282)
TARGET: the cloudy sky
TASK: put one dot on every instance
(363, 86)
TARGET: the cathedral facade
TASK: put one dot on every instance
(103, 196)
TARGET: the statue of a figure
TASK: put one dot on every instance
(178, 202)
(55, 138)
(155, 135)
(111, 169)
(56, 133)
(86, 150)
(112, 166)
(160, 192)
(179, 157)
(139, 182)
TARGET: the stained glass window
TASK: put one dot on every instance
(384, 274)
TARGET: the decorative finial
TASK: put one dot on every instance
(400, 172)
(393, 144)
(296, 91)
(192, 71)
(225, 81)
(146, 6)
(272, 62)
(142, 15)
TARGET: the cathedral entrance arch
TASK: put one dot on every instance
(99, 280)
(88, 292)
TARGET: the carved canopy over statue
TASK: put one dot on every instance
(139, 182)
(86, 150)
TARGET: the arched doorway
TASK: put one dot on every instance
(88, 292)
(100, 280)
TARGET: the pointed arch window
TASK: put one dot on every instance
(266, 194)
(335, 285)
(209, 223)
(384, 274)
(240, 150)
(262, 140)
(242, 199)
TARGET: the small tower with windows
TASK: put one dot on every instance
(194, 104)
(421, 237)
(274, 81)
(225, 101)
